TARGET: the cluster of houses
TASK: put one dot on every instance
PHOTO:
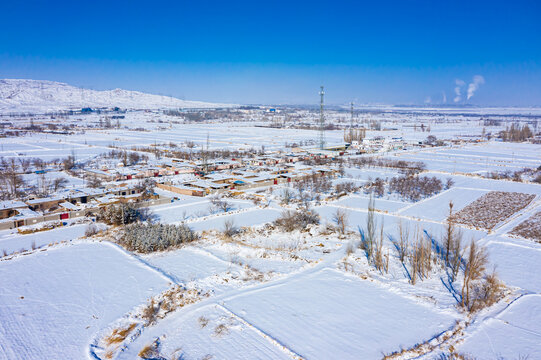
(65, 205)
(239, 179)
(186, 177)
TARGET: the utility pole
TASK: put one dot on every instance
(351, 115)
(206, 154)
(321, 121)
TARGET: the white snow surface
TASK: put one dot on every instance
(53, 302)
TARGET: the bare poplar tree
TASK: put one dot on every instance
(474, 271)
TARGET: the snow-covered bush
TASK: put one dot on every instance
(230, 229)
(91, 230)
(296, 220)
(146, 238)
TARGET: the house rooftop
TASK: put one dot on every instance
(11, 204)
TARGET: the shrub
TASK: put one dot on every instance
(203, 321)
(150, 312)
(119, 335)
(146, 238)
(296, 220)
(340, 217)
(150, 351)
(91, 230)
(230, 229)
(221, 330)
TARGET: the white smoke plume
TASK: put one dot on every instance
(443, 97)
(478, 80)
(459, 84)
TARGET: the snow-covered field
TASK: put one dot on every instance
(11, 241)
(479, 158)
(54, 301)
(265, 293)
(520, 323)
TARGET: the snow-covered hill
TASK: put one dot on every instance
(21, 95)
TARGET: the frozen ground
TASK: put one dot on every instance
(251, 217)
(11, 241)
(53, 302)
(183, 211)
(318, 316)
(520, 323)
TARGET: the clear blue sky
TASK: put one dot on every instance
(281, 51)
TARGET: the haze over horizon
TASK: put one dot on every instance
(487, 53)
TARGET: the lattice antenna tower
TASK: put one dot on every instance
(321, 120)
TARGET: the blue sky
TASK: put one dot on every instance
(401, 52)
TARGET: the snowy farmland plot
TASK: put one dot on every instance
(212, 231)
(55, 300)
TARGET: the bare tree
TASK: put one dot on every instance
(378, 256)
(220, 204)
(403, 244)
(474, 270)
(287, 195)
(68, 163)
(59, 183)
(146, 188)
(38, 163)
(25, 164)
(370, 234)
(449, 236)
(341, 219)
(94, 182)
(457, 253)
(12, 178)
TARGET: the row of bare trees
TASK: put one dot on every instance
(405, 167)
(417, 187)
(310, 187)
(372, 241)
(516, 133)
(421, 255)
(13, 185)
(128, 158)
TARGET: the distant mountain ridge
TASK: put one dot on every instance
(22, 95)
